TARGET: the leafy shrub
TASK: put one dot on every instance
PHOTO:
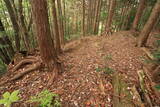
(46, 99)
(9, 98)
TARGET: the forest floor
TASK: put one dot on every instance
(89, 65)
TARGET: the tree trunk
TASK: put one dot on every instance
(83, 20)
(89, 16)
(93, 7)
(14, 23)
(96, 16)
(64, 15)
(139, 13)
(57, 35)
(149, 25)
(110, 17)
(23, 26)
(61, 27)
(47, 50)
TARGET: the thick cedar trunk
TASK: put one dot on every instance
(14, 23)
(110, 17)
(47, 51)
(149, 25)
(61, 27)
(139, 13)
(57, 35)
(83, 20)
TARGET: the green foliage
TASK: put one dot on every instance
(8, 98)
(3, 67)
(98, 69)
(157, 57)
(157, 87)
(46, 99)
(106, 70)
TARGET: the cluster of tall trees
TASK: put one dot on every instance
(33, 23)
(48, 23)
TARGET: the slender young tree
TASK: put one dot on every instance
(23, 25)
(149, 25)
(60, 21)
(83, 18)
(97, 14)
(43, 33)
(14, 23)
(57, 35)
(64, 16)
(139, 13)
(110, 16)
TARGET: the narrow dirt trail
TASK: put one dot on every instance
(84, 82)
(81, 84)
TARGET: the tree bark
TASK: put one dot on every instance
(61, 27)
(83, 18)
(89, 16)
(149, 25)
(64, 16)
(47, 50)
(110, 17)
(23, 26)
(97, 14)
(139, 13)
(57, 35)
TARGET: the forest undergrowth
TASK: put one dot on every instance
(90, 65)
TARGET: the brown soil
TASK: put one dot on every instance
(80, 84)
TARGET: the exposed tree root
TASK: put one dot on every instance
(31, 68)
(23, 62)
(58, 68)
(35, 64)
(21, 74)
